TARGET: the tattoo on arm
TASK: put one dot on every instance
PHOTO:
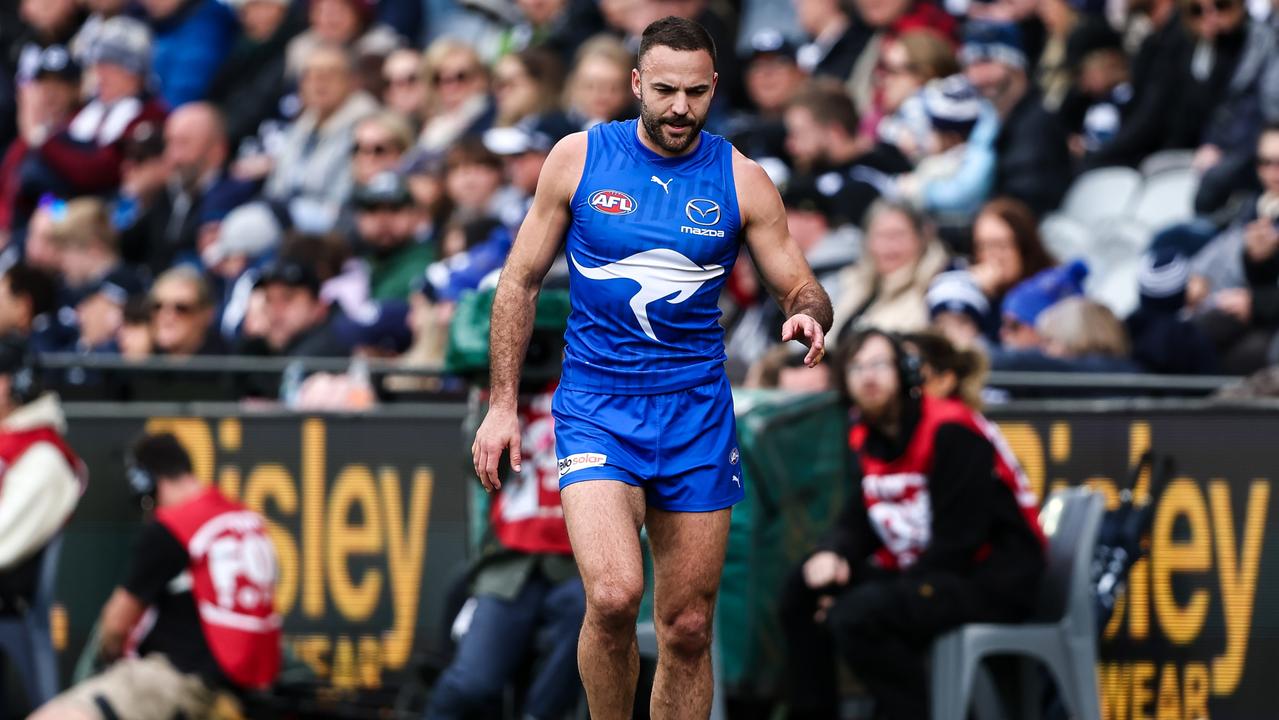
(811, 299)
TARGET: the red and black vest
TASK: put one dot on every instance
(527, 515)
(233, 574)
(14, 443)
(896, 492)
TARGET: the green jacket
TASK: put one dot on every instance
(393, 277)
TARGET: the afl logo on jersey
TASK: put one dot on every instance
(612, 202)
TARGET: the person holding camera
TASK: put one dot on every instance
(939, 531)
(196, 613)
(41, 479)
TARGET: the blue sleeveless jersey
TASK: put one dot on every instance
(651, 243)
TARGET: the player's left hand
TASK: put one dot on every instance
(808, 331)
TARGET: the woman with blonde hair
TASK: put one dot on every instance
(599, 89)
(457, 95)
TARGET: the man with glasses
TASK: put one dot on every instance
(182, 315)
(942, 533)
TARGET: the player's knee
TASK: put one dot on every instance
(686, 633)
(614, 605)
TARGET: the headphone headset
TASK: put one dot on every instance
(909, 367)
(141, 482)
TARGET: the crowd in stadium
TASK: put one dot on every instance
(327, 177)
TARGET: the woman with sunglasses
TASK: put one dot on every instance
(457, 98)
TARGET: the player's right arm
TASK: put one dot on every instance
(515, 303)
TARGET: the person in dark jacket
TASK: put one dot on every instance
(299, 322)
(192, 38)
(1033, 163)
(942, 532)
(1164, 340)
(251, 82)
(836, 40)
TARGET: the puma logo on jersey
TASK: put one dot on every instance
(661, 274)
(665, 185)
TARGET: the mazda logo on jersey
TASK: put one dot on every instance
(612, 202)
(702, 211)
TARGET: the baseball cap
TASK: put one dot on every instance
(118, 286)
(957, 292)
(770, 42)
(516, 140)
(248, 230)
(56, 62)
(993, 42)
(290, 272)
(385, 188)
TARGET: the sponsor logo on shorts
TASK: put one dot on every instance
(733, 456)
(612, 202)
(580, 461)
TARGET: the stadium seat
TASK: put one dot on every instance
(1166, 160)
(26, 641)
(1166, 199)
(1062, 635)
(646, 637)
(1065, 238)
(1102, 194)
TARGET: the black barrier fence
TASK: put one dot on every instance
(368, 515)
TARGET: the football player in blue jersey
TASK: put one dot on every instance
(651, 214)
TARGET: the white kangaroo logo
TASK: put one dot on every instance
(660, 272)
(665, 185)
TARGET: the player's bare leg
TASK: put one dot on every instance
(688, 556)
(604, 518)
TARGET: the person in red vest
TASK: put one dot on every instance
(196, 614)
(937, 533)
(41, 479)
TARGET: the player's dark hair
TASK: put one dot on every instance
(38, 286)
(161, 456)
(829, 103)
(678, 34)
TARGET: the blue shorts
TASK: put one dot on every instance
(680, 447)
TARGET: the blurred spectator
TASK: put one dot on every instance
(890, 19)
(1234, 279)
(526, 86)
(599, 87)
(557, 26)
(1083, 336)
(182, 314)
(952, 109)
(821, 136)
(472, 177)
(906, 65)
(1007, 249)
(348, 24)
(144, 175)
(387, 222)
(99, 12)
(835, 40)
(1100, 97)
(473, 251)
(99, 318)
(1033, 160)
(247, 235)
(43, 478)
(380, 143)
(1164, 340)
(523, 150)
(958, 310)
(405, 87)
(949, 372)
(424, 172)
(1028, 299)
(248, 86)
(47, 99)
(886, 288)
(46, 23)
(294, 320)
(89, 251)
(85, 156)
(829, 244)
(167, 223)
(943, 532)
(191, 39)
(311, 174)
(41, 249)
(28, 297)
(458, 102)
(782, 368)
(772, 78)
(1060, 18)
(134, 337)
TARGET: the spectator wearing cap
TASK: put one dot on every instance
(457, 102)
(907, 63)
(182, 314)
(296, 322)
(89, 252)
(1023, 304)
(954, 175)
(45, 23)
(472, 177)
(48, 99)
(191, 39)
(523, 150)
(599, 86)
(85, 157)
(835, 41)
(822, 139)
(772, 78)
(244, 239)
(1100, 97)
(349, 24)
(1164, 340)
(387, 223)
(1033, 160)
(247, 88)
(958, 309)
(886, 288)
(195, 153)
(311, 173)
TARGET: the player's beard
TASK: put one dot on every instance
(655, 125)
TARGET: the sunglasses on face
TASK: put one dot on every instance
(1198, 10)
(401, 79)
(441, 79)
(374, 149)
